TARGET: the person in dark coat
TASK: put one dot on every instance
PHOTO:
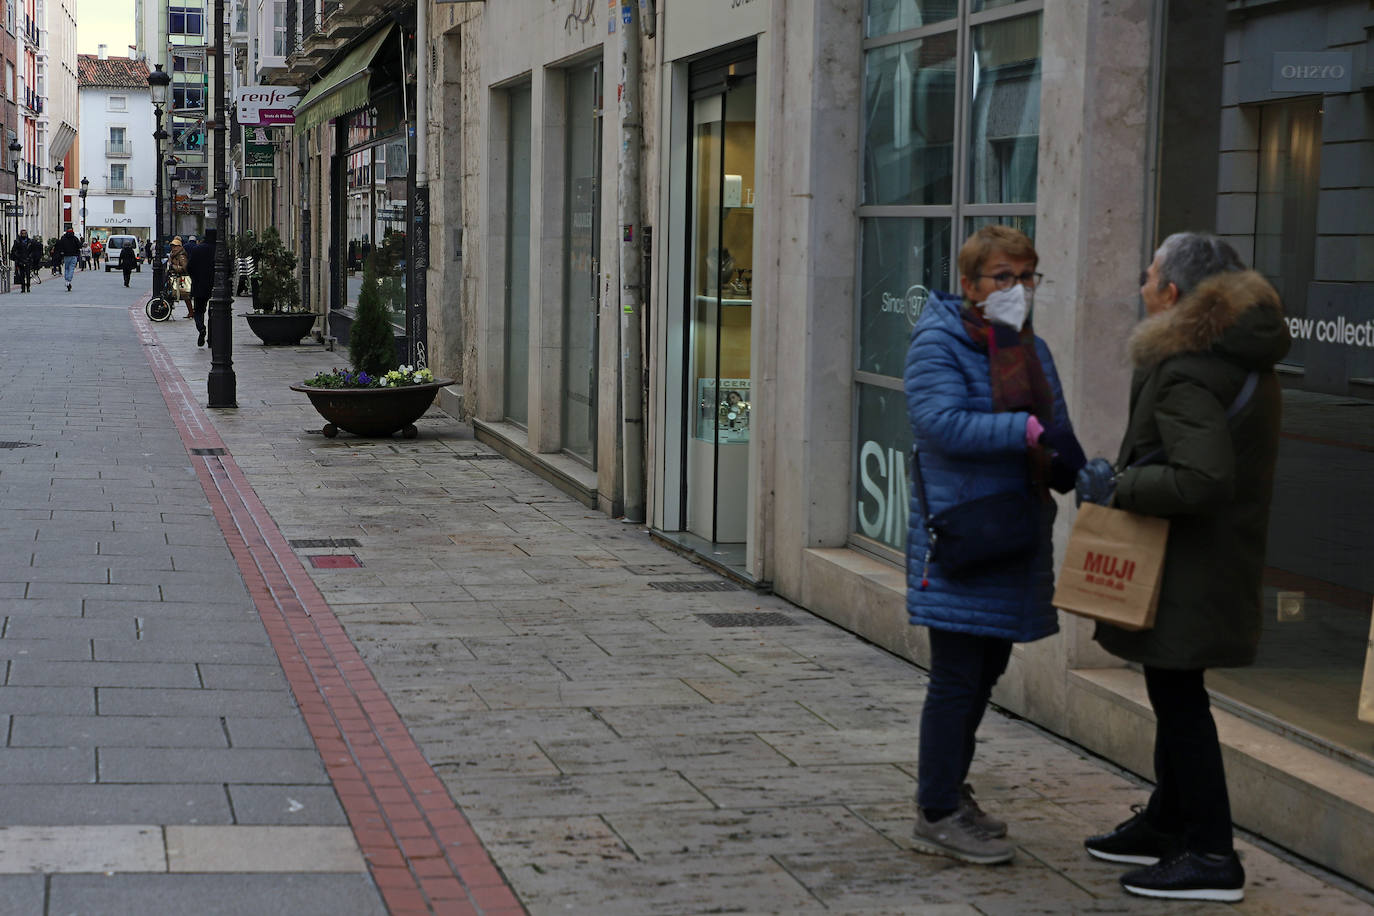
(69, 250)
(36, 260)
(1210, 324)
(201, 259)
(128, 260)
(22, 256)
(987, 417)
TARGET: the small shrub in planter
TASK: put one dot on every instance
(278, 290)
(371, 341)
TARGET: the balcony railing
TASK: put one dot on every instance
(119, 184)
(31, 31)
(119, 150)
(33, 101)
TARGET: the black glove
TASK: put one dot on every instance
(1096, 483)
(1066, 456)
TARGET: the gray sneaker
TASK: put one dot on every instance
(986, 822)
(958, 837)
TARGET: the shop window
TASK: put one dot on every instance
(951, 128)
(518, 152)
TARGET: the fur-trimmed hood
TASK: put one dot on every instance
(1237, 314)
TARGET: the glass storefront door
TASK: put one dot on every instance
(517, 364)
(581, 255)
(719, 274)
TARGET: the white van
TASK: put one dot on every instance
(114, 244)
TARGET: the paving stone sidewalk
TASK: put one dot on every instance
(615, 751)
(154, 761)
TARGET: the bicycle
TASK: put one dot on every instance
(159, 307)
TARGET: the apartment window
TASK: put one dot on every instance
(9, 79)
(119, 102)
(9, 19)
(188, 97)
(118, 177)
(279, 48)
(117, 206)
(116, 137)
(184, 62)
(951, 102)
(185, 21)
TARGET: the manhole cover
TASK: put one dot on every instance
(18, 444)
(766, 619)
(711, 585)
(209, 451)
(340, 561)
(300, 543)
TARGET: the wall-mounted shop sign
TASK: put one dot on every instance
(266, 105)
(1312, 71)
(259, 160)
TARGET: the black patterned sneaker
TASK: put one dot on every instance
(958, 837)
(1190, 876)
(1134, 841)
(986, 822)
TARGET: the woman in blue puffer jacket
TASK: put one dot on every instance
(987, 416)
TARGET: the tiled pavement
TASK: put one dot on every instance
(614, 752)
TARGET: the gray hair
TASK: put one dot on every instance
(1188, 258)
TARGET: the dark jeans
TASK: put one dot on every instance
(127, 271)
(199, 309)
(963, 670)
(21, 276)
(1190, 783)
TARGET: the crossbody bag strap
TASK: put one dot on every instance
(1247, 391)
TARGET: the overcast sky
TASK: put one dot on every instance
(107, 22)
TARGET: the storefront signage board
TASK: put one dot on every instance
(259, 160)
(260, 106)
(1312, 71)
(691, 28)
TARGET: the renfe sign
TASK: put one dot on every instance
(263, 106)
(1312, 71)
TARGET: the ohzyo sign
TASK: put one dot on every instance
(1312, 71)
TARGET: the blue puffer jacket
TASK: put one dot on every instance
(967, 451)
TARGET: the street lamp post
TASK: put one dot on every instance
(158, 81)
(15, 149)
(85, 186)
(60, 170)
(221, 383)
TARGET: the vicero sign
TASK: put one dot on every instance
(263, 106)
(1312, 71)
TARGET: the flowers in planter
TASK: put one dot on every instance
(356, 378)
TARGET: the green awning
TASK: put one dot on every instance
(344, 88)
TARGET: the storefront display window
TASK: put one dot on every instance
(1292, 169)
(951, 132)
(374, 207)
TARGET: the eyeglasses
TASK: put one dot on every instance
(1006, 278)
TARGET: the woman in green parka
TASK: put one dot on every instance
(1210, 325)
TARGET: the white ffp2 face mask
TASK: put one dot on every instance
(1008, 306)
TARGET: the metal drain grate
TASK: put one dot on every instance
(18, 445)
(209, 451)
(765, 619)
(710, 585)
(481, 456)
(300, 543)
(336, 561)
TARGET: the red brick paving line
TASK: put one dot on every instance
(420, 848)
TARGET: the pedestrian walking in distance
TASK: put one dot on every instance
(178, 270)
(128, 260)
(85, 262)
(201, 260)
(69, 250)
(988, 420)
(22, 256)
(1213, 330)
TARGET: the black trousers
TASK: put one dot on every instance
(963, 670)
(200, 308)
(1190, 782)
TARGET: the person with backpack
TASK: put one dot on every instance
(69, 251)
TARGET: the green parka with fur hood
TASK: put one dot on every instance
(1216, 479)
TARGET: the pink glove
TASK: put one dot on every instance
(1034, 430)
